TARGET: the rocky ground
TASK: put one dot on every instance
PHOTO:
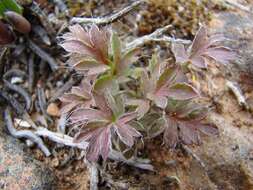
(223, 163)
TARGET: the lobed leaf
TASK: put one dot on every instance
(201, 48)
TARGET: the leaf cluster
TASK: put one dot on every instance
(118, 103)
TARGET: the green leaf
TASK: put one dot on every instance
(2, 9)
(12, 5)
(149, 119)
(138, 126)
(115, 103)
(135, 72)
(167, 76)
(156, 127)
(116, 50)
(176, 105)
(153, 63)
(106, 82)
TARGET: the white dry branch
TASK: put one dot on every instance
(60, 138)
(234, 87)
(138, 163)
(238, 6)
(94, 175)
(156, 36)
(194, 156)
(107, 19)
(24, 133)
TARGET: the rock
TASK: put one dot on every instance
(53, 110)
(19, 170)
(228, 158)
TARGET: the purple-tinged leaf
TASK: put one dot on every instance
(199, 41)
(101, 103)
(221, 54)
(66, 108)
(167, 77)
(179, 53)
(127, 117)
(89, 114)
(74, 46)
(208, 129)
(99, 39)
(203, 47)
(78, 33)
(142, 106)
(216, 38)
(127, 134)
(182, 91)
(184, 123)
(80, 96)
(99, 144)
(188, 134)
(161, 101)
(105, 142)
(88, 49)
(199, 62)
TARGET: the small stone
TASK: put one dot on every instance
(53, 110)
(55, 162)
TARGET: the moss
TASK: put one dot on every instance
(184, 15)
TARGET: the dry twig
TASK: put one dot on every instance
(238, 6)
(94, 173)
(35, 7)
(60, 138)
(20, 90)
(191, 153)
(156, 36)
(43, 55)
(24, 133)
(238, 94)
(107, 19)
(67, 86)
(17, 108)
(142, 164)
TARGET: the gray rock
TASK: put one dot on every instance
(18, 170)
(229, 157)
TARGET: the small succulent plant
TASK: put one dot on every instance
(158, 99)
